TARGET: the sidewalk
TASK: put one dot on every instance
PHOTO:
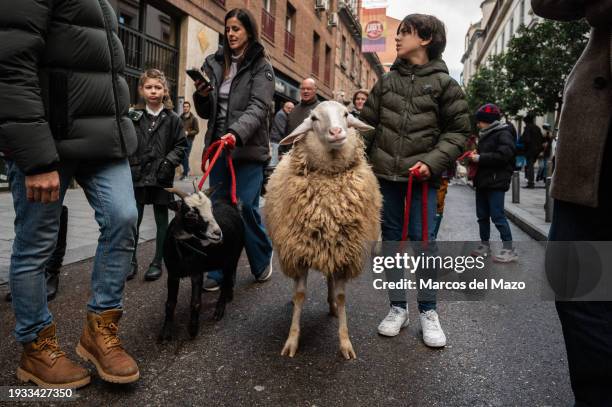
(83, 232)
(529, 213)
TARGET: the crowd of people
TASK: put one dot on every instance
(65, 115)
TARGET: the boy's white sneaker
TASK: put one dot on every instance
(396, 319)
(506, 256)
(433, 335)
(482, 250)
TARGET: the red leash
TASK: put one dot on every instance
(217, 147)
(425, 192)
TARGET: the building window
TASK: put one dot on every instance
(328, 64)
(343, 53)
(522, 15)
(289, 31)
(353, 62)
(511, 27)
(267, 20)
(315, 54)
(503, 41)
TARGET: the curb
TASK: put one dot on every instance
(524, 221)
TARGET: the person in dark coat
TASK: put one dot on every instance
(308, 101)
(583, 198)
(533, 140)
(64, 103)
(279, 129)
(191, 128)
(495, 158)
(238, 108)
(359, 99)
(161, 148)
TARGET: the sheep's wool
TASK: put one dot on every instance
(320, 211)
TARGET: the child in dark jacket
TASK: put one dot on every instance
(421, 123)
(495, 158)
(161, 148)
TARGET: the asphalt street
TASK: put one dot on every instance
(498, 354)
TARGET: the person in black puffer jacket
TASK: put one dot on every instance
(162, 146)
(63, 114)
(495, 158)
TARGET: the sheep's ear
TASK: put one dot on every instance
(298, 133)
(358, 124)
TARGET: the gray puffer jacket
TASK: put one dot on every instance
(249, 106)
(62, 90)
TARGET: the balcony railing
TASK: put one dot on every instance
(267, 24)
(289, 44)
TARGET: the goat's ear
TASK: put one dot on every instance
(175, 205)
(358, 124)
(298, 133)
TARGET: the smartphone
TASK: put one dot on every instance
(196, 75)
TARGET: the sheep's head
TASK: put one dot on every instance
(330, 122)
(195, 214)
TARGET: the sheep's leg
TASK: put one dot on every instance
(197, 280)
(346, 348)
(333, 307)
(173, 288)
(299, 295)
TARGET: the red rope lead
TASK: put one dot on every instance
(217, 148)
(407, 204)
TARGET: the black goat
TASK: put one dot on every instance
(202, 237)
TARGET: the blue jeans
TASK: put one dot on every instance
(186, 157)
(394, 198)
(108, 188)
(249, 178)
(490, 205)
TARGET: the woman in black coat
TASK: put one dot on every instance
(495, 158)
(238, 108)
(161, 148)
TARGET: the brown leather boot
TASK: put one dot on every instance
(44, 363)
(100, 345)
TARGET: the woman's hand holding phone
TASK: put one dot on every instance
(203, 88)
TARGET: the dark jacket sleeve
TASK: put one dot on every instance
(179, 142)
(502, 155)
(455, 129)
(279, 127)
(370, 113)
(563, 10)
(257, 111)
(195, 127)
(24, 131)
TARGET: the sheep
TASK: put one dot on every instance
(322, 206)
(202, 237)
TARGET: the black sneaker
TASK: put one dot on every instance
(267, 273)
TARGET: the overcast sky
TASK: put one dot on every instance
(457, 15)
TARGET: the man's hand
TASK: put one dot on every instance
(423, 170)
(43, 187)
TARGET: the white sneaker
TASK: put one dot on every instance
(482, 250)
(506, 256)
(433, 335)
(396, 319)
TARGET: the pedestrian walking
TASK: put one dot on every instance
(582, 193)
(425, 137)
(191, 128)
(532, 140)
(237, 108)
(495, 158)
(545, 155)
(359, 99)
(161, 148)
(64, 114)
(279, 130)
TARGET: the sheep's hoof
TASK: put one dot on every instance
(219, 312)
(166, 334)
(290, 347)
(346, 348)
(333, 310)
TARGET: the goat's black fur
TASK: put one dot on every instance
(189, 257)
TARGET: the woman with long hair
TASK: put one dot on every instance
(237, 105)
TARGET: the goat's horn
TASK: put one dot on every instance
(178, 192)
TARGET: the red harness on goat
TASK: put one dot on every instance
(407, 204)
(217, 147)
